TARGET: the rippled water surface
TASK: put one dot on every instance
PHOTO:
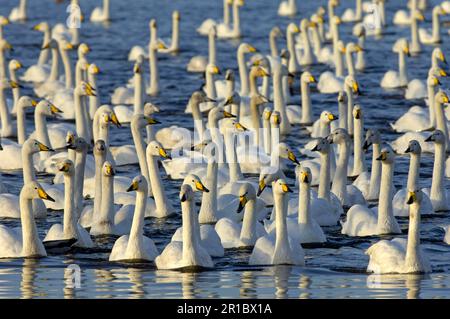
(337, 272)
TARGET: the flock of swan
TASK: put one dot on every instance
(240, 123)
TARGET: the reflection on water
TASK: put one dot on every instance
(28, 287)
(384, 285)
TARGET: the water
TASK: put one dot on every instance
(337, 272)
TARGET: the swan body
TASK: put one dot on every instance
(287, 8)
(101, 14)
(395, 79)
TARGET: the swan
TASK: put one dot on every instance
(4, 45)
(349, 195)
(136, 246)
(24, 241)
(278, 71)
(70, 228)
(174, 46)
(433, 37)
(394, 79)
(154, 47)
(351, 15)
(8, 127)
(101, 14)
(131, 94)
(399, 201)
(415, 47)
(275, 33)
(303, 49)
(304, 228)
(19, 13)
(188, 253)
(10, 202)
(206, 25)
(402, 255)
(278, 248)
(287, 8)
(303, 116)
(369, 185)
(437, 192)
(447, 234)
(291, 30)
(198, 63)
(227, 87)
(359, 30)
(402, 17)
(13, 66)
(359, 163)
(333, 82)
(231, 32)
(363, 221)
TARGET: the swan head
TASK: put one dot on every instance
(414, 196)
(373, 136)
(417, 15)
(327, 117)
(137, 68)
(219, 113)
(316, 19)
(438, 54)
(200, 147)
(246, 48)
(437, 137)
(437, 71)
(307, 77)
(341, 46)
(387, 155)
(152, 24)
(83, 49)
(186, 193)
(239, 3)
(441, 97)
(259, 72)
(266, 115)
(176, 15)
(70, 138)
(108, 169)
(33, 146)
(284, 151)
(339, 136)
(352, 47)
(233, 126)
(401, 45)
(199, 97)
(438, 10)
(150, 108)
(321, 11)
(212, 69)
(33, 190)
(304, 24)
(433, 80)
(86, 89)
(195, 183)
(292, 28)
(15, 65)
(155, 149)
(99, 148)
(234, 99)
(65, 45)
(351, 83)
(47, 108)
(42, 27)
(357, 112)
(413, 148)
(342, 98)
(276, 32)
(52, 44)
(229, 75)
(4, 21)
(303, 173)
(266, 177)
(79, 145)
(275, 118)
(246, 193)
(93, 69)
(5, 45)
(281, 187)
(322, 146)
(26, 101)
(359, 30)
(141, 120)
(139, 183)
(66, 166)
(259, 99)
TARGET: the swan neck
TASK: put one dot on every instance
(136, 238)
(208, 208)
(306, 103)
(304, 213)
(70, 220)
(385, 210)
(248, 235)
(107, 206)
(31, 245)
(233, 165)
(243, 73)
(154, 74)
(324, 185)
(375, 175)
(412, 257)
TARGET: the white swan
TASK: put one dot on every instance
(364, 221)
(433, 37)
(359, 163)
(278, 248)
(303, 115)
(70, 229)
(206, 25)
(24, 241)
(401, 255)
(399, 202)
(198, 63)
(174, 46)
(333, 82)
(19, 13)
(226, 31)
(188, 253)
(415, 46)
(395, 79)
(136, 246)
(287, 8)
(355, 15)
(101, 14)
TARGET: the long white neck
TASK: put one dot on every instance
(67, 68)
(248, 235)
(16, 90)
(278, 102)
(233, 165)
(304, 198)
(7, 127)
(21, 133)
(402, 68)
(2, 65)
(349, 93)
(441, 121)
(306, 103)
(267, 136)
(55, 65)
(256, 123)
(349, 60)
(375, 174)
(208, 208)
(360, 56)
(154, 74)
(339, 186)
(282, 253)
(138, 93)
(212, 48)
(210, 85)
(31, 244)
(431, 92)
(339, 64)
(190, 253)
(243, 73)
(70, 216)
(324, 178)
(140, 146)
(273, 45)
(343, 115)
(413, 174)
(80, 164)
(81, 127)
(226, 13)
(293, 65)
(307, 52)
(107, 205)
(316, 41)
(106, 7)
(23, 9)
(136, 240)
(412, 258)
(385, 211)
(199, 125)
(29, 173)
(275, 140)
(359, 163)
(438, 191)
(163, 205)
(80, 74)
(436, 27)
(175, 45)
(415, 43)
(236, 21)
(40, 121)
(94, 101)
(99, 160)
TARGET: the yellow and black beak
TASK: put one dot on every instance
(261, 187)
(357, 114)
(242, 201)
(115, 120)
(382, 157)
(163, 153)
(304, 177)
(228, 115)
(292, 158)
(54, 109)
(200, 187)
(251, 49)
(33, 103)
(276, 119)
(44, 148)
(44, 195)
(133, 186)
(95, 69)
(229, 101)
(90, 90)
(137, 68)
(355, 88)
(286, 188)
(445, 98)
(411, 198)
(64, 168)
(332, 117)
(151, 120)
(406, 50)
(14, 84)
(161, 46)
(240, 127)
(312, 79)
(110, 170)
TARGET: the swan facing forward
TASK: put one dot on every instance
(401, 255)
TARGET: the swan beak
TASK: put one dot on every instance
(263, 73)
(429, 139)
(64, 168)
(358, 114)
(437, 82)
(95, 69)
(242, 201)
(292, 158)
(44, 195)
(332, 117)
(69, 46)
(315, 148)
(14, 85)
(208, 99)
(276, 119)
(305, 177)
(110, 170)
(267, 115)
(442, 73)
(163, 153)
(286, 188)
(54, 109)
(137, 68)
(261, 187)
(251, 49)
(4, 21)
(152, 121)
(228, 101)
(228, 115)
(115, 120)
(407, 52)
(46, 46)
(240, 127)
(133, 186)
(382, 157)
(443, 59)
(408, 150)
(359, 49)
(200, 187)
(355, 87)
(366, 145)
(44, 148)
(90, 90)
(445, 98)
(215, 70)
(411, 198)
(183, 198)
(312, 79)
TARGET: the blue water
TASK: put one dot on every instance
(329, 272)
